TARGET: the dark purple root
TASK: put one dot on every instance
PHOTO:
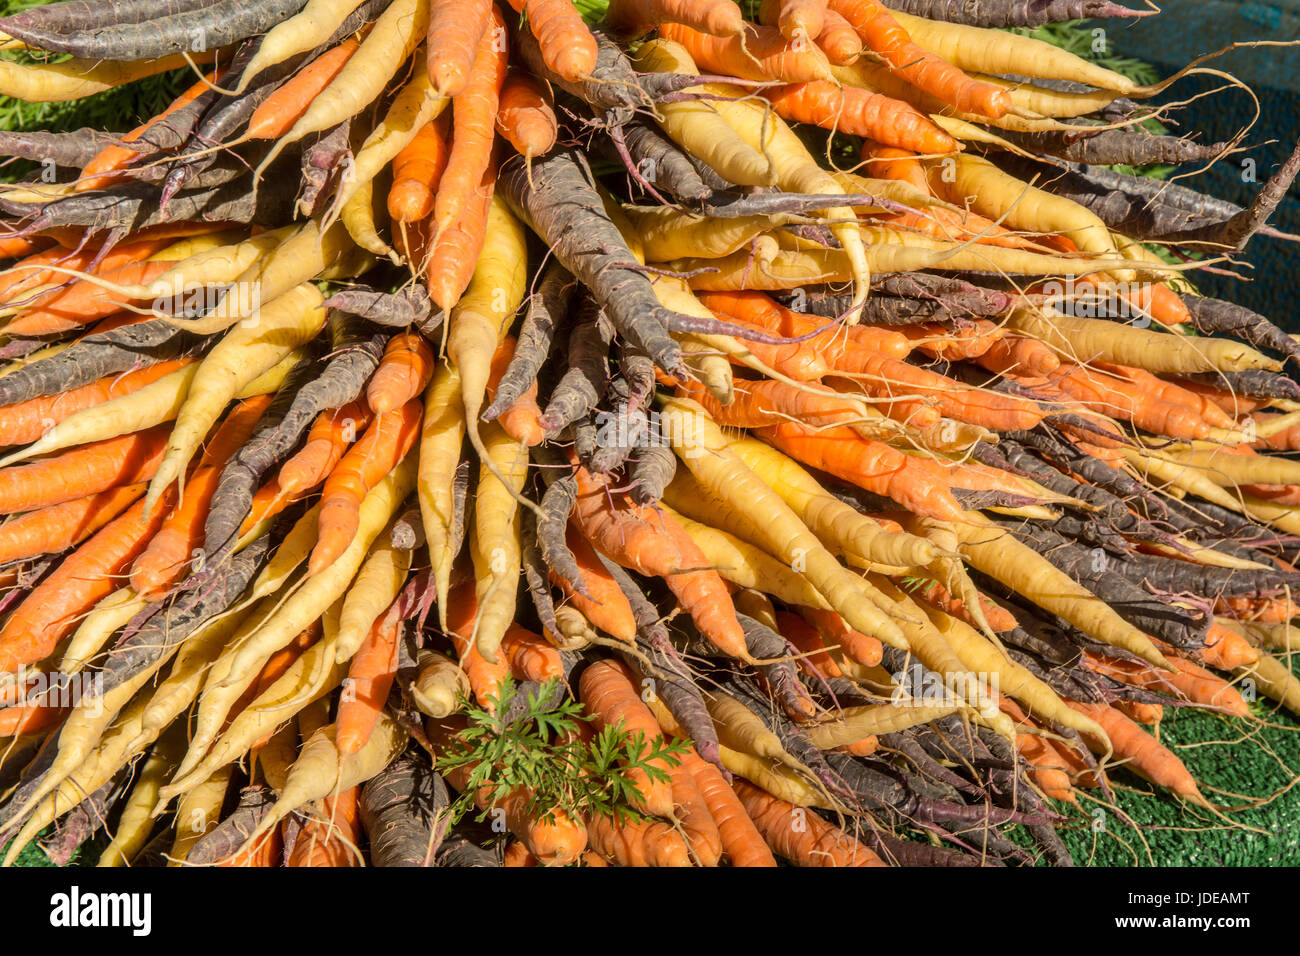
(1013, 13)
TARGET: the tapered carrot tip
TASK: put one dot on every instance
(448, 80)
(1192, 795)
(338, 526)
(726, 20)
(350, 743)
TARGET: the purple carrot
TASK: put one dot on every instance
(405, 812)
(194, 28)
(1013, 13)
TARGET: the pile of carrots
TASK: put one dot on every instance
(432, 355)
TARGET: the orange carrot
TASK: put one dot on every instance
(1145, 755)
(1259, 610)
(450, 265)
(456, 30)
(802, 361)
(1204, 687)
(640, 843)
(58, 527)
(568, 48)
(813, 842)
(266, 852)
(1139, 712)
(650, 542)
(83, 302)
(834, 339)
(761, 53)
(404, 371)
(1129, 402)
(114, 157)
(32, 270)
(73, 238)
(485, 678)
(526, 115)
(417, 171)
(1188, 681)
(917, 484)
(1173, 393)
(967, 342)
(867, 651)
(886, 377)
(370, 677)
(693, 814)
(330, 839)
(858, 112)
(1230, 403)
(517, 854)
(85, 470)
(760, 402)
(27, 421)
(327, 440)
(1018, 353)
(290, 101)
(741, 841)
(862, 748)
(1278, 494)
(76, 585)
(29, 718)
(936, 595)
(11, 247)
(164, 561)
(234, 430)
(522, 420)
(955, 226)
(1156, 299)
(883, 35)
(268, 501)
(893, 162)
(1046, 767)
(838, 40)
(607, 608)
(1226, 650)
(717, 17)
(798, 360)
(385, 443)
(612, 698)
(801, 19)
(22, 278)
(807, 640)
(474, 113)
(530, 656)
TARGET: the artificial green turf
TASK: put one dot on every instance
(1173, 834)
(1143, 827)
